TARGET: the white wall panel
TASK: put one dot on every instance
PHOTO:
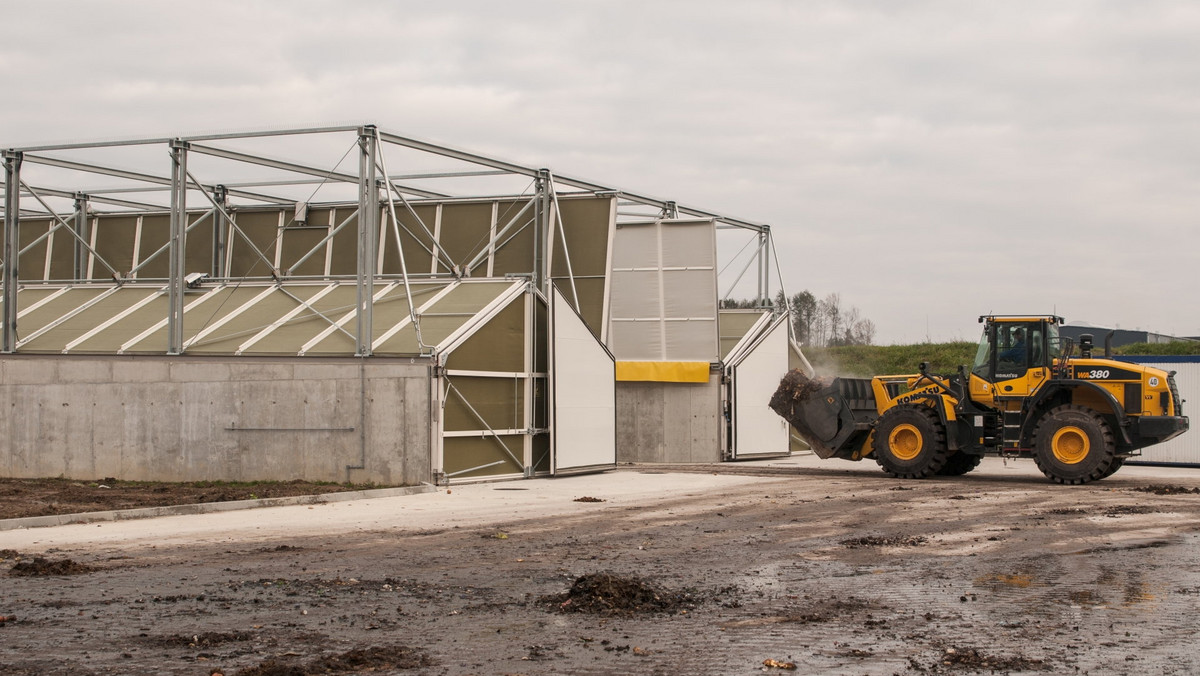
(1185, 448)
(664, 271)
(585, 399)
(757, 429)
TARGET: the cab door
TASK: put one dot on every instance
(1013, 357)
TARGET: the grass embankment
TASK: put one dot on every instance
(944, 358)
(864, 361)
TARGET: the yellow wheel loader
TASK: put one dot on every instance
(1027, 394)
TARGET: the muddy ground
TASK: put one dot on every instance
(40, 497)
(820, 571)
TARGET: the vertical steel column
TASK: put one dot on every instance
(368, 239)
(541, 231)
(762, 257)
(12, 222)
(766, 258)
(81, 230)
(220, 231)
(179, 184)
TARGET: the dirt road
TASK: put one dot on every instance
(835, 569)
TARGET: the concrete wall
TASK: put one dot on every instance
(668, 422)
(228, 419)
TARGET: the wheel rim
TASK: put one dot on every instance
(1070, 445)
(905, 442)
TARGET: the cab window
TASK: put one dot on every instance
(983, 357)
(1012, 350)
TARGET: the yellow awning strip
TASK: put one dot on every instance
(663, 371)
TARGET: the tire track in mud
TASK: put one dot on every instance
(839, 576)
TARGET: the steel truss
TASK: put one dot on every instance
(68, 174)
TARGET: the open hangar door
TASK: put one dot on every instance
(489, 390)
(583, 394)
(753, 369)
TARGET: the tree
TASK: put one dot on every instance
(819, 323)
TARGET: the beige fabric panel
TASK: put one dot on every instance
(32, 264)
(393, 307)
(239, 329)
(416, 242)
(29, 295)
(298, 240)
(404, 342)
(344, 258)
(110, 340)
(57, 338)
(586, 222)
(262, 227)
(497, 346)
(733, 326)
(339, 343)
(53, 310)
(515, 254)
(198, 250)
(222, 303)
(591, 300)
(156, 231)
(113, 237)
(497, 400)
(541, 336)
(290, 337)
(462, 453)
(62, 253)
(541, 453)
(466, 229)
(471, 296)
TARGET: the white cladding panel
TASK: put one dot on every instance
(757, 429)
(1185, 448)
(585, 394)
(664, 292)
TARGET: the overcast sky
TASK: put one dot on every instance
(928, 161)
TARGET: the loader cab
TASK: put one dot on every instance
(1016, 353)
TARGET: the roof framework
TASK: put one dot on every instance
(379, 177)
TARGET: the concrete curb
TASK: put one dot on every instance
(209, 507)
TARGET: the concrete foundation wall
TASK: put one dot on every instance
(228, 419)
(668, 422)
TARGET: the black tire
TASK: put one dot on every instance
(1074, 445)
(1116, 465)
(960, 463)
(910, 442)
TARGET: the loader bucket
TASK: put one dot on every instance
(833, 415)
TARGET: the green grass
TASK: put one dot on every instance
(1178, 347)
(944, 358)
(868, 360)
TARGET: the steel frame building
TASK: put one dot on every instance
(441, 262)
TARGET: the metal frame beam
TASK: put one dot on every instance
(12, 220)
(179, 150)
(298, 168)
(138, 176)
(368, 238)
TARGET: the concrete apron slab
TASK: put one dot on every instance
(423, 508)
(207, 507)
(461, 506)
